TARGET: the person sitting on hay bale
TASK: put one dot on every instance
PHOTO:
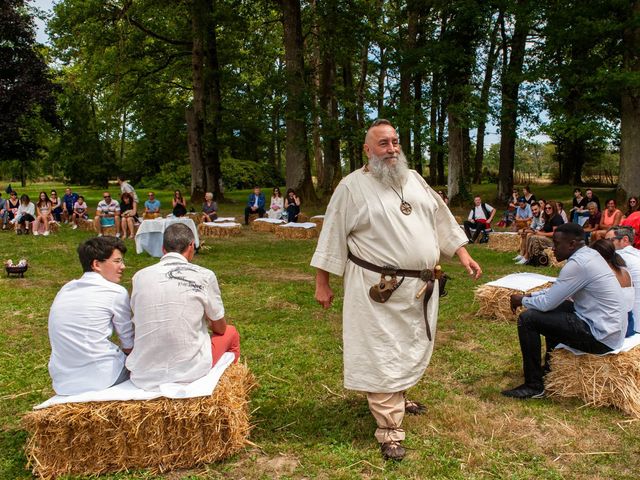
(209, 208)
(622, 238)
(151, 207)
(538, 241)
(595, 322)
(479, 219)
(83, 317)
(255, 205)
(523, 214)
(593, 221)
(173, 302)
(107, 214)
(79, 212)
(537, 222)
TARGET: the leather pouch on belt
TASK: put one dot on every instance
(381, 291)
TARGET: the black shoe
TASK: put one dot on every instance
(524, 391)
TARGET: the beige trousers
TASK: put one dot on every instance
(388, 410)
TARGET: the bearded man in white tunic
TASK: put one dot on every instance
(386, 215)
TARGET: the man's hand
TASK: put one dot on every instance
(473, 268)
(324, 294)
(516, 301)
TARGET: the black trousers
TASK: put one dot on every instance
(248, 211)
(478, 226)
(561, 325)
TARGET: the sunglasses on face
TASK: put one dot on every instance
(107, 196)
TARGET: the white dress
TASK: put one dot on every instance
(386, 348)
(277, 202)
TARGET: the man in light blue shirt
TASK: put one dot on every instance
(152, 206)
(594, 322)
(523, 212)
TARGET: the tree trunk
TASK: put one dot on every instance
(195, 151)
(417, 123)
(433, 131)
(442, 115)
(330, 128)
(382, 74)
(298, 168)
(315, 109)
(195, 115)
(457, 153)
(492, 55)
(350, 115)
(629, 180)
(509, 111)
(360, 100)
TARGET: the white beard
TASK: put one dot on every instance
(394, 175)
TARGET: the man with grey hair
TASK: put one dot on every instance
(174, 303)
(622, 238)
(384, 231)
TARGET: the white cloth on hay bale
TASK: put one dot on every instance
(629, 343)
(299, 225)
(223, 220)
(203, 387)
(276, 221)
(221, 224)
(319, 217)
(523, 282)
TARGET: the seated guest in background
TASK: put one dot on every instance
(151, 206)
(523, 214)
(509, 215)
(538, 241)
(592, 197)
(209, 208)
(528, 196)
(561, 212)
(480, 218)
(542, 202)
(618, 266)
(128, 215)
(79, 212)
(69, 199)
(513, 200)
(255, 204)
(579, 207)
(632, 206)
(83, 318)
(276, 204)
(537, 222)
(594, 322)
(26, 214)
(56, 204)
(107, 214)
(10, 209)
(3, 211)
(179, 204)
(610, 217)
(174, 302)
(633, 222)
(43, 214)
(622, 238)
(593, 221)
(444, 197)
(292, 205)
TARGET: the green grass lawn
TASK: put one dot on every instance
(305, 424)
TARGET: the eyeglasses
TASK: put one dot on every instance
(632, 202)
(107, 196)
(117, 261)
(548, 208)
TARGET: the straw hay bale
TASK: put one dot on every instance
(253, 217)
(303, 218)
(263, 226)
(86, 225)
(161, 434)
(109, 231)
(195, 216)
(458, 219)
(151, 216)
(318, 220)
(552, 258)
(494, 302)
(600, 381)
(216, 231)
(294, 233)
(504, 242)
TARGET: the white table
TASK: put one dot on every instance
(150, 234)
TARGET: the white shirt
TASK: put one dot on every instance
(631, 257)
(82, 318)
(480, 213)
(171, 302)
(29, 208)
(126, 187)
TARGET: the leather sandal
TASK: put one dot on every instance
(392, 451)
(414, 408)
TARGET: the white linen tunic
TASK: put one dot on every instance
(386, 348)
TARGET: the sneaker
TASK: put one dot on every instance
(74, 226)
(35, 233)
(522, 261)
(517, 257)
(46, 234)
(524, 391)
(99, 234)
(118, 235)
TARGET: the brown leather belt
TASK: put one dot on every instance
(426, 275)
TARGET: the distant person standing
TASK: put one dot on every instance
(255, 204)
(126, 187)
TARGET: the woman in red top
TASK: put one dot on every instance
(611, 217)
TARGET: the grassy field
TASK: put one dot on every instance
(306, 424)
